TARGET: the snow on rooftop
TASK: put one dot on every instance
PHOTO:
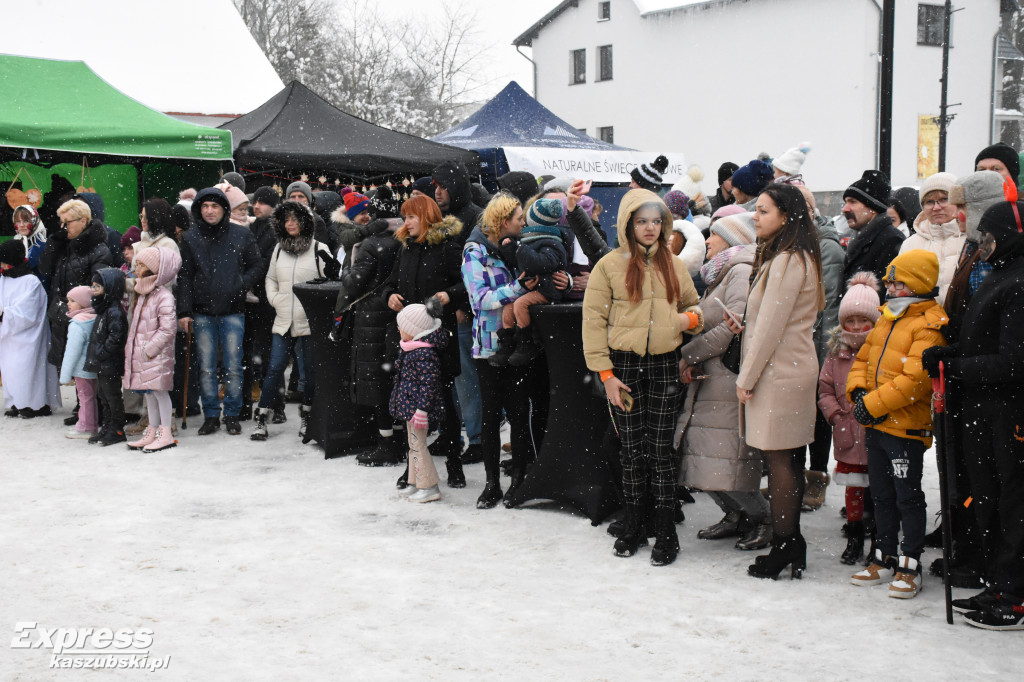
(166, 55)
(649, 6)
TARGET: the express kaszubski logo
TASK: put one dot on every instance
(125, 648)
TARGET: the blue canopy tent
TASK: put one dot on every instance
(514, 131)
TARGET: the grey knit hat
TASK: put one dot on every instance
(736, 229)
(299, 186)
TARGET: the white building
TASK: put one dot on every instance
(726, 79)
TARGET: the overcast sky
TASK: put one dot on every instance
(498, 22)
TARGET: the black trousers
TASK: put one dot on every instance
(108, 391)
(647, 430)
(994, 454)
(508, 389)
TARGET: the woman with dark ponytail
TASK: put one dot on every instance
(639, 301)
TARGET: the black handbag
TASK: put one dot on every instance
(731, 356)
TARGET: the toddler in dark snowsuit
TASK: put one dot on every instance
(106, 352)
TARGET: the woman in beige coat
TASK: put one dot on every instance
(715, 458)
(639, 301)
(778, 375)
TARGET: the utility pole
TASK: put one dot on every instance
(885, 89)
(944, 116)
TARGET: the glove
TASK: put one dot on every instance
(332, 266)
(419, 420)
(931, 357)
(857, 394)
(863, 417)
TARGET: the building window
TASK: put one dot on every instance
(604, 63)
(577, 67)
(604, 11)
(929, 24)
(607, 134)
(582, 130)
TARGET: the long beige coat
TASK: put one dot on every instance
(780, 365)
(714, 455)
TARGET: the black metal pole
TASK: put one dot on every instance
(947, 13)
(885, 90)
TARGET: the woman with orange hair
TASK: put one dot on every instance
(639, 301)
(430, 264)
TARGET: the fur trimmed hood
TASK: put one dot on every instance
(339, 216)
(450, 227)
(307, 226)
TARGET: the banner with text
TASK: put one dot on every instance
(611, 165)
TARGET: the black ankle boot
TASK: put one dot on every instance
(527, 348)
(403, 481)
(506, 346)
(854, 543)
(666, 546)
(456, 477)
(786, 551)
(491, 495)
(633, 536)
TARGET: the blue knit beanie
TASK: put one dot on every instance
(544, 213)
(753, 178)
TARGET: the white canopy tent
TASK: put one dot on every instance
(166, 55)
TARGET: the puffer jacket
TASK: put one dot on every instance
(872, 249)
(149, 352)
(888, 366)
(542, 256)
(832, 258)
(425, 268)
(491, 285)
(714, 455)
(611, 321)
(288, 269)
(109, 334)
(68, 264)
(73, 364)
(945, 241)
(418, 379)
(219, 263)
(847, 435)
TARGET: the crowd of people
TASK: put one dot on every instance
(731, 335)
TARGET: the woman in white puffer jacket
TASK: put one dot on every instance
(936, 228)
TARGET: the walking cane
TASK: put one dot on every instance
(188, 368)
(939, 405)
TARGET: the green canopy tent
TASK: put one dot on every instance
(59, 117)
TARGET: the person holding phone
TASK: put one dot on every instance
(778, 377)
(639, 301)
(715, 458)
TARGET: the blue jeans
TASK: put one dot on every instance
(467, 386)
(895, 466)
(280, 352)
(220, 336)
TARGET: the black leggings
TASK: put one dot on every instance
(505, 388)
(785, 488)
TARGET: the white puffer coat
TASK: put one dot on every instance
(288, 269)
(945, 241)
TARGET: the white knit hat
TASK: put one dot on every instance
(942, 182)
(793, 159)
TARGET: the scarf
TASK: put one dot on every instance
(82, 315)
(144, 285)
(413, 345)
(711, 270)
(895, 308)
(853, 340)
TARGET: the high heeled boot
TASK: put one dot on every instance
(789, 551)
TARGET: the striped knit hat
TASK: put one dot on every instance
(736, 229)
(649, 176)
(544, 213)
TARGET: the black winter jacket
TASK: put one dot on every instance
(592, 240)
(219, 263)
(371, 317)
(872, 249)
(425, 268)
(266, 240)
(110, 332)
(542, 258)
(454, 178)
(68, 264)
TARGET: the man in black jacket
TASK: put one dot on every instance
(876, 242)
(453, 192)
(988, 364)
(220, 262)
(259, 315)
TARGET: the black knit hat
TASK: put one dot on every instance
(266, 195)
(234, 179)
(12, 252)
(649, 176)
(520, 184)
(725, 171)
(1002, 152)
(1005, 226)
(872, 190)
(425, 185)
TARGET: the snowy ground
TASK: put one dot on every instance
(263, 561)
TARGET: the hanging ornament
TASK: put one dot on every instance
(322, 179)
(304, 177)
(405, 182)
(277, 188)
(337, 182)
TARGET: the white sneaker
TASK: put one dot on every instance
(907, 582)
(426, 495)
(75, 433)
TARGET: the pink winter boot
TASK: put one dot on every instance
(164, 440)
(148, 436)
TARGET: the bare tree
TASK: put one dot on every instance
(1013, 80)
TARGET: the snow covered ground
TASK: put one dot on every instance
(263, 561)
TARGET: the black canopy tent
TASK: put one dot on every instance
(297, 132)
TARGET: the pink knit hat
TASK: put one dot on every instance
(417, 320)
(861, 298)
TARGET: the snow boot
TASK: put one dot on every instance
(874, 573)
(431, 494)
(259, 430)
(491, 495)
(164, 440)
(727, 527)
(148, 436)
(814, 491)
(304, 411)
(633, 536)
(389, 452)
(279, 416)
(907, 581)
(854, 543)
(506, 346)
(232, 426)
(527, 348)
(456, 477)
(666, 546)
(210, 425)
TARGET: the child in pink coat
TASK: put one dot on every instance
(858, 312)
(149, 352)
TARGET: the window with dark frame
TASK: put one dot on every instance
(606, 134)
(929, 24)
(604, 11)
(604, 63)
(578, 66)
